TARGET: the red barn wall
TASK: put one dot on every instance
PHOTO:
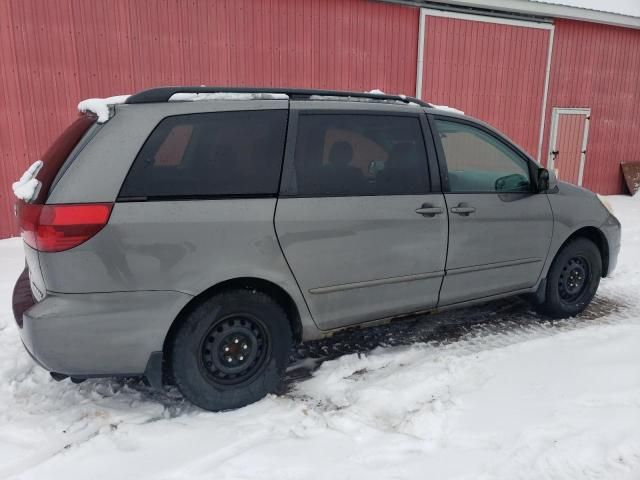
(598, 66)
(55, 53)
(491, 71)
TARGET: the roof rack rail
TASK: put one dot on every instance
(163, 94)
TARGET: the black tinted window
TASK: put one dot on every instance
(343, 155)
(56, 155)
(208, 154)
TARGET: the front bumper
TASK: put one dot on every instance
(613, 232)
(96, 334)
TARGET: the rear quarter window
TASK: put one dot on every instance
(210, 155)
(56, 155)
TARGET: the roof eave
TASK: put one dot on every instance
(528, 7)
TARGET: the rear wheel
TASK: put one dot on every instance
(231, 350)
(572, 280)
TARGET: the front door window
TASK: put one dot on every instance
(478, 162)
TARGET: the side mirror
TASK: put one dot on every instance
(546, 180)
(513, 183)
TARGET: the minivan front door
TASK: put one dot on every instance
(499, 230)
(356, 221)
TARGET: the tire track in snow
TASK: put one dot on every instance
(492, 325)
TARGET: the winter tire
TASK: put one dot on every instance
(231, 350)
(572, 280)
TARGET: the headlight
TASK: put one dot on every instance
(606, 204)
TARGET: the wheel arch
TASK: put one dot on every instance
(598, 238)
(267, 287)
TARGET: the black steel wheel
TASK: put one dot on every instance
(235, 348)
(572, 280)
(231, 350)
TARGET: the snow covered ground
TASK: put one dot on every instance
(515, 397)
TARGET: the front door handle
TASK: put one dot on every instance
(463, 209)
(427, 210)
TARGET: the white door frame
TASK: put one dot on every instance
(555, 116)
(485, 18)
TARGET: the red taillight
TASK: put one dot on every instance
(54, 228)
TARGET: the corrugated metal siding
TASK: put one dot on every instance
(494, 72)
(598, 66)
(57, 52)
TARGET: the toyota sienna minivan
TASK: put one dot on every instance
(194, 234)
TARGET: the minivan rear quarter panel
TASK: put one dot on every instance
(186, 246)
(178, 245)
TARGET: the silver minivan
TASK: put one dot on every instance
(193, 235)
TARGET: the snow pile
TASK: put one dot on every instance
(350, 99)
(193, 97)
(100, 106)
(28, 187)
(448, 109)
(375, 91)
(519, 398)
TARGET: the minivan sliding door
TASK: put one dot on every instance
(358, 224)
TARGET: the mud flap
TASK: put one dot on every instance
(541, 294)
(153, 371)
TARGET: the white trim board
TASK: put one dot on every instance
(420, 63)
(545, 95)
(540, 9)
(555, 115)
(485, 18)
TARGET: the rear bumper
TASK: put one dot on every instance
(97, 334)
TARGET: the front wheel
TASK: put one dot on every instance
(572, 280)
(231, 350)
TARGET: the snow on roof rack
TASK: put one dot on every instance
(447, 108)
(101, 106)
(164, 94)
(194, 97)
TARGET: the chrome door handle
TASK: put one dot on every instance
(462, 209)
(427, 210)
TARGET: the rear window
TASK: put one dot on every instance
(210, 155)
(59, 151)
